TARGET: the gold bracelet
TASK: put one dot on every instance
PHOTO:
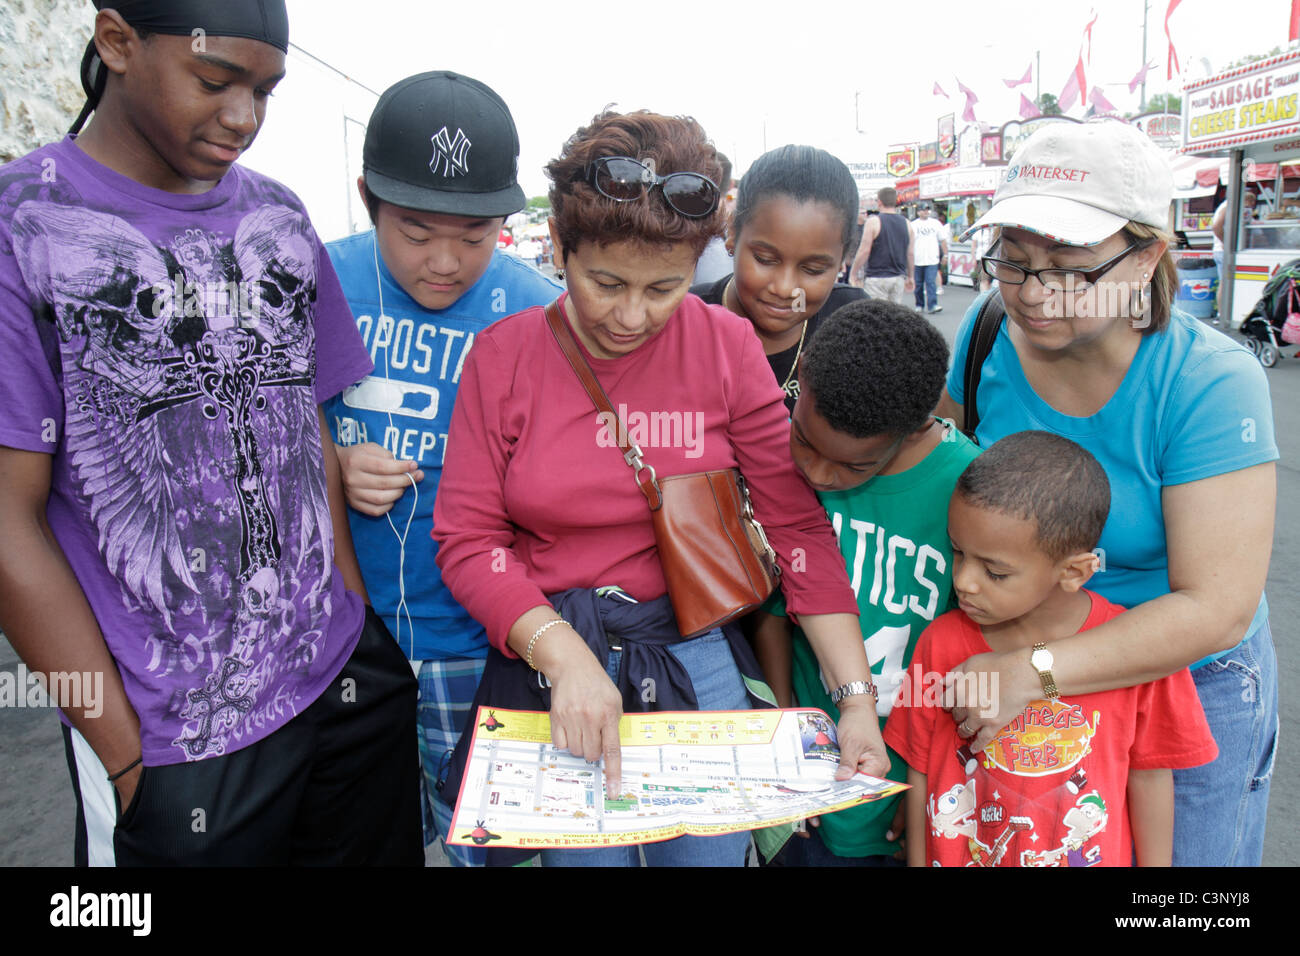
(532, 641)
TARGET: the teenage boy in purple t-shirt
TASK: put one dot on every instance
(170, 500)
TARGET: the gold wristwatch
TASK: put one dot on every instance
(1041, 661)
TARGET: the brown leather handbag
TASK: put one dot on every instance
(716, 559)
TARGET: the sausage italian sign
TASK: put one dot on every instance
(1252, 103)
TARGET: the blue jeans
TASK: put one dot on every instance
(1220, 809)
(926, 296)
(718, 686)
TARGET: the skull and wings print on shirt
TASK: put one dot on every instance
(191, 444)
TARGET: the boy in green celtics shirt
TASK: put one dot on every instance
(864, 436)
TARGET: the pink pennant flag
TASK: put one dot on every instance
(1029, 75)
(1027, 108)
(1134, 83)
(968, 114)
(1172, 64)
(1073, 90)
(1100, 103)
(938, 91)
(1087, 33)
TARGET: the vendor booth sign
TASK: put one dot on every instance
(1246, 105)
(972, 181)
(901, 162)
(1163, 129)
(991, 148)
(947, 136)
(1016, 132)
(968, 146)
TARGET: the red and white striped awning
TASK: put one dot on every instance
(1197, 175)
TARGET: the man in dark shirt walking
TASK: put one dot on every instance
(883, 265)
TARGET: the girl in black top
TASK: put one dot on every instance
(791, 229)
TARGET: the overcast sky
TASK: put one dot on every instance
(754, 74)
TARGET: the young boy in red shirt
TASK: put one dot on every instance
(1081, 782)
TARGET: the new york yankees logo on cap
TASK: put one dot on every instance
(449, 152)
(442, 142)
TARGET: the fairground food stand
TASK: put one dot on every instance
(964, 193)
(1251, 114)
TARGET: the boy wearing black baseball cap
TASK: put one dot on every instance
(440, 176)
(174, 523)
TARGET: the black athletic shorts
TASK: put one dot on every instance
(337, 785)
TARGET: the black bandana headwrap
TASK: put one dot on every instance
(265, 20)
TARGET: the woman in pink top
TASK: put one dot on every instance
(536, 500)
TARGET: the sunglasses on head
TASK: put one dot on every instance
(623, 179)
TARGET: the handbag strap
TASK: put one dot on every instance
(631, 451)
(987, 325)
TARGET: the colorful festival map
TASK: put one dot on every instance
(688, 772)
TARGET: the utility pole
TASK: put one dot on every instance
(1142, 107)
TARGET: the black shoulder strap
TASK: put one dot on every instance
(987, 325)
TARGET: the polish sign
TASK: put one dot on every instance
(1259, 101)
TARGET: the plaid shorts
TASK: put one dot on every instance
(446, 691)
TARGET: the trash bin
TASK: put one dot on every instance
(1198, 286)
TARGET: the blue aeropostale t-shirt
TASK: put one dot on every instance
(1194, 404)
(405, 405)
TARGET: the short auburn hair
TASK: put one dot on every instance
(676, 144)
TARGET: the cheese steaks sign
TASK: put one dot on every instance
(1260, 101)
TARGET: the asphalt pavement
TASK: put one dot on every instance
(37, 809)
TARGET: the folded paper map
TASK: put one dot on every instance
(687, 772)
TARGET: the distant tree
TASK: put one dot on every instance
(1165, 103)
(1253, 58)
(538, 208)
(1048, 106)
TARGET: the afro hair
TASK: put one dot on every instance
(875, 368)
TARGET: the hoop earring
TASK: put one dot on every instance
(1140, 304)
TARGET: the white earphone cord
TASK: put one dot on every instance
(402, 609)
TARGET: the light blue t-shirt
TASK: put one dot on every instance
(1194, 404)
(418, 354)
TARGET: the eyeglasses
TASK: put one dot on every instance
(624, 179)
(1071, 280)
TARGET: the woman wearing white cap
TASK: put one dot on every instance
(1180, 417)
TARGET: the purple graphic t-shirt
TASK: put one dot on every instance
(170, 352)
